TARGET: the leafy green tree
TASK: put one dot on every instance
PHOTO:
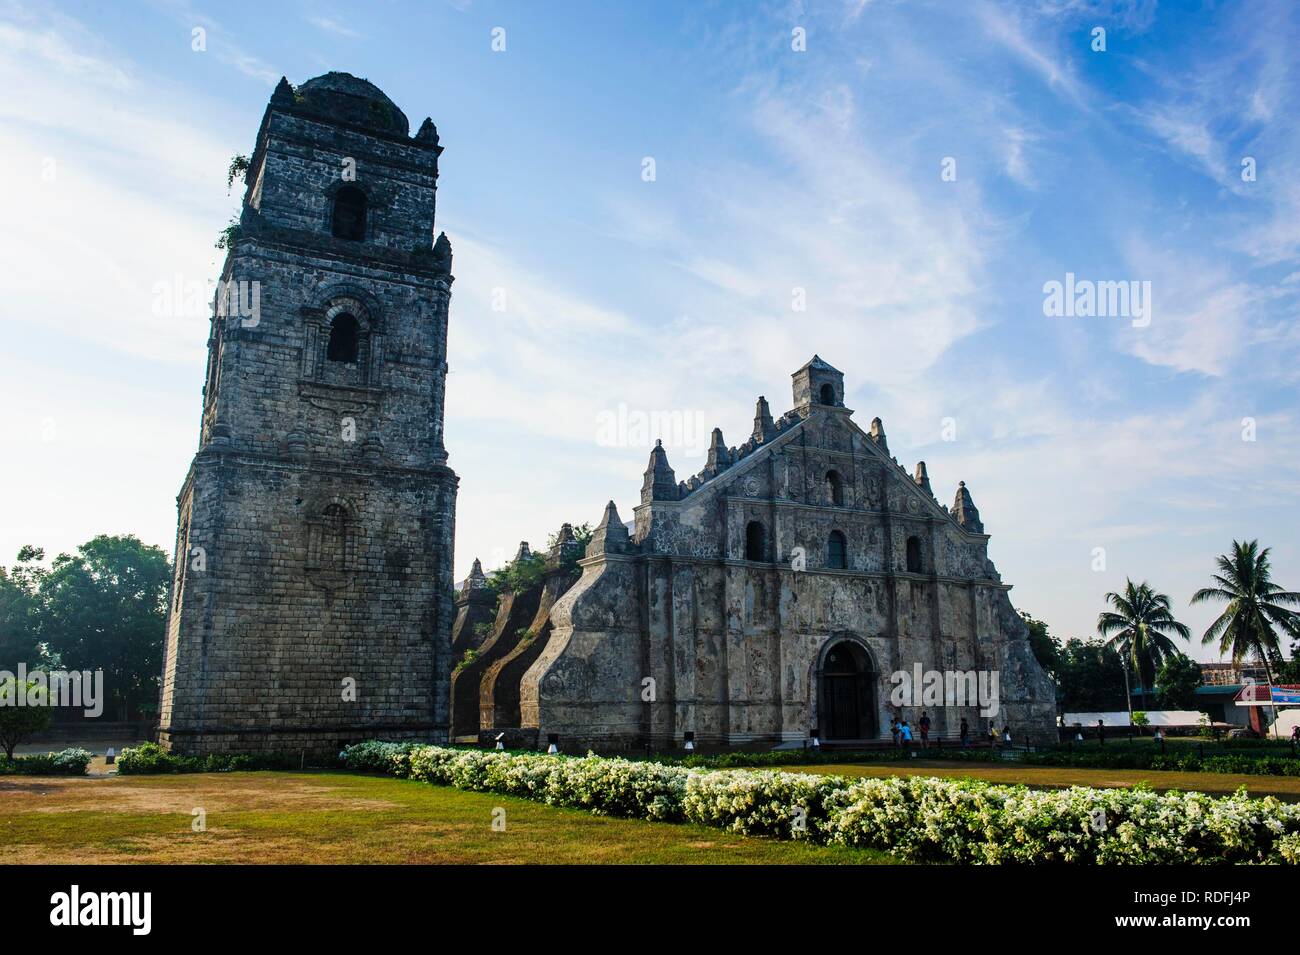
(518, 575)
(104, 608)
(20, 639)
(1176, 683)
(238, 170)
(1257, 607)
(1047, 649)
(1091, 677)
(1289, 671)
(19, 722)
(1140, 628)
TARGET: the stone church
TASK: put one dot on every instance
(764, 600)
(313, 599)
(770, 597)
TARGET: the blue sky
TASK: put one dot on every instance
(775, 170)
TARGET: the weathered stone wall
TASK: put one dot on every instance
(316, 524)
(515, 611)
(736, 647)
(586, 682)
(499, 687)
(473, 618)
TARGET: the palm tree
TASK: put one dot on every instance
(1246, 626)
(1140, 629)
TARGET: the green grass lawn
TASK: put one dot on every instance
(1058, 777)
(275, 817)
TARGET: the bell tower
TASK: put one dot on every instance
(313, 601)
(817, 383)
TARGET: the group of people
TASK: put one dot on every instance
(901, 731)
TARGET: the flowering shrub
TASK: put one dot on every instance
(68, 762)
(967, 821)
(72, 761)
(915, 818)
(789, 805)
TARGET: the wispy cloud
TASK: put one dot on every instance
(333, 25)
(220, 42)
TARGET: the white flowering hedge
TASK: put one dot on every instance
(915, 818)
(67, 762)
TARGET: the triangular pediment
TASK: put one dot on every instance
(835, 432)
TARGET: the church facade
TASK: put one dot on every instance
(313, 601)
(775, 596)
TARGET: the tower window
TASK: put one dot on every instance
(836, 485)
(349, 221)
(914, 555)
(343, 339)
(837, 551)
(755, 541)
(828, 394)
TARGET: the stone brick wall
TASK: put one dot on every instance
(313, 600)
(514, 614)
(499, 686)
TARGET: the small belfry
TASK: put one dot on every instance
(320, 498)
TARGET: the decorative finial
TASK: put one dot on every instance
(719, 458)
(428, 133)
(922, 477)
(660, 482)
(965, 512)
(442, 253)
(283, 92)
(610, 536)
(877, 434)
(764, 428)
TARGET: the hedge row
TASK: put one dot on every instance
(917, 819)
(1250, 764)
(68, 762)
(150, 758)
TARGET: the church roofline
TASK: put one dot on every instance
(787, 426)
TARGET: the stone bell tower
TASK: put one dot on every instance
(313, 601)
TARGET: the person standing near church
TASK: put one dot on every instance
(925, 730)
(894, 729)
(905, 732)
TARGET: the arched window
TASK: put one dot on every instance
(344, 333)
(349, 220)
(755, 541)
(828, 394)
(914, 555)
(836, 484)
(837, 551)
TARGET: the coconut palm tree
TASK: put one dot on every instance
(1140, 629)
(1246, 628)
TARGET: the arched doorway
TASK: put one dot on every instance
(847, 691)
